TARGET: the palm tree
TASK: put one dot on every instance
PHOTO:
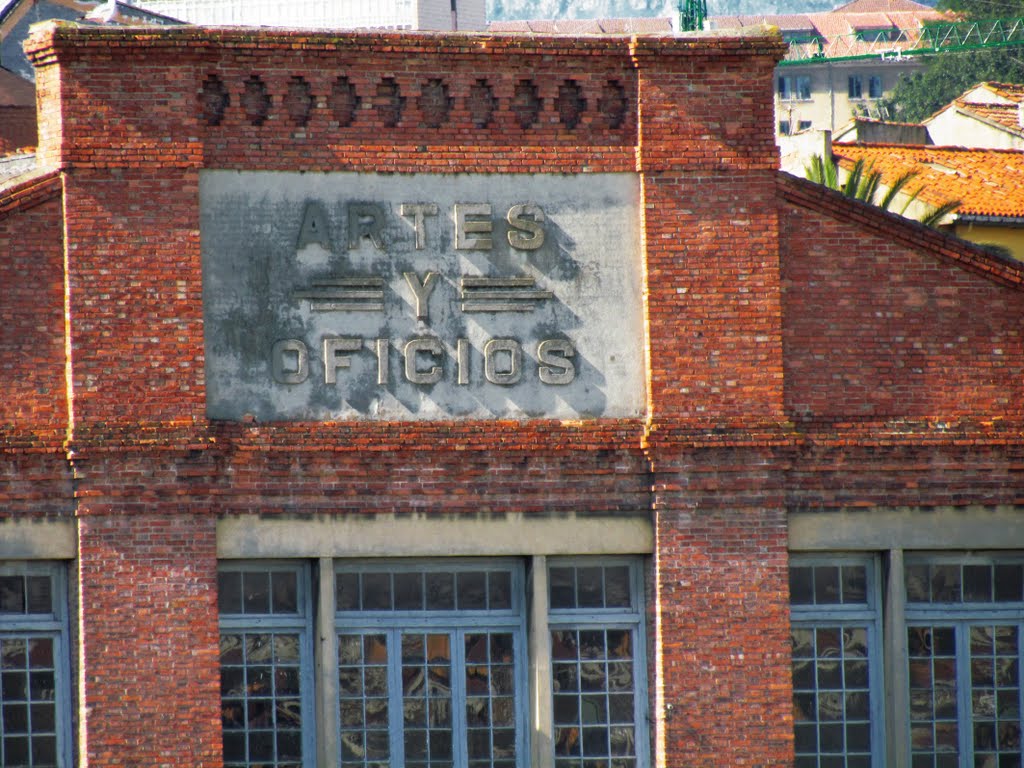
(863, 182)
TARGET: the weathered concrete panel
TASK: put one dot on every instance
(386, 296)
(253, 537)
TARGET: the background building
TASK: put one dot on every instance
(383, 399)
(841, 62)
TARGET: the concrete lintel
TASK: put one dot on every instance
(251, 536)
(35, 539)
(938, 528)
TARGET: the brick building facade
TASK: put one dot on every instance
(419, 400)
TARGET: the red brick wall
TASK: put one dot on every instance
(733, 266)
(880, 328)
(147, 648)
(34, 478)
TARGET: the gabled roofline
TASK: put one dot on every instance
(30, 191)
(966, 112)
(807, 194)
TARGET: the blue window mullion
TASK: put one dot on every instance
(522, 684)
(396, 710)
(459, 730)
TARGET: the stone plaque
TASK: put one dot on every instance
(344, 296)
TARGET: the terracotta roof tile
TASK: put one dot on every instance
(836, 30)
(1006, 115)
(989, 182)
(1012, 91)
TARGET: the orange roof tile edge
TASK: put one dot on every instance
(988, 182)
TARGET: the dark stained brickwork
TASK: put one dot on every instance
(802, 352)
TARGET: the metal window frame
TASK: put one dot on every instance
(633, 618)
(457, 623)
(300, 622)
(55, 626)
(961, 616)
(867, 615)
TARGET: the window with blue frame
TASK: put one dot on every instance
(964, 622)
(431, 664)
(34, 670)
(597, 664)
(428, 664)
(955, 636)
(265, 658)
(835, 662)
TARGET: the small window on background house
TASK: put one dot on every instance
(785, 88)
(875, 87)
(855, 87)
(803, 87)
(805, 125)
(784, 127)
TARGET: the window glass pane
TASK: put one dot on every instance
(347, 591)
(916, 579)
(855, 584)
(1009, 583)
(229, 592)
(256, 592)
(440, 591)
(617, 590)
(12, 594)
(801, 585)
(285, 597)
(499, 586)
(408, 591)
(471, 590)
(39, 597)
(563, 587)
(376, 592)
(831, 694)
(826, 585)
(945, 583)
(590, 587)
(594, 685)
(977, 583)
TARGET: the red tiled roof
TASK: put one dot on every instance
(1006, 115)
(836, 30)
(989, 182)
(1012, 91)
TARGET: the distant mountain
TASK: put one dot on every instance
(517, 10)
